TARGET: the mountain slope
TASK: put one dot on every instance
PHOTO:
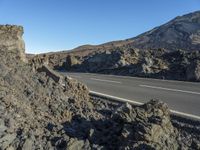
(183, 32)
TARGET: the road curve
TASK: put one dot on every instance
(180, 96)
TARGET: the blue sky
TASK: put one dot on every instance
(52, 25)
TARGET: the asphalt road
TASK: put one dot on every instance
(180, 96)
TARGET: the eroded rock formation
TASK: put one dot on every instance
(11, 41)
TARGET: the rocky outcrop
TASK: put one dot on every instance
(162, 64)
(11, 42)
(33, 97)
(193, 71)
(71, 60)
(50, 73)
(32, 101)
(146, 127)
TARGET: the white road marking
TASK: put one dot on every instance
(143, 78)
(185, 114)
(169, 89)
(105, 80)
(139, 103)
(116, 98)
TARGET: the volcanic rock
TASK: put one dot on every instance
(40, 109)
(31, 99)
(193, 71)
(146, 127)
(11, 41)
(162, 64)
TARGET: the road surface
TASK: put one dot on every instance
(180, 96)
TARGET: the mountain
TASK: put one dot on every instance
(183, 32)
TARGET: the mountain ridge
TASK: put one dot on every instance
(151, 39)
(182, 32)
(192, 19)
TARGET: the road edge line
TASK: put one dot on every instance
(116, 98)
(174, 112)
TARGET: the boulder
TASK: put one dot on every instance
(124, 113)
(6, 140)
(193, 71)
(75, 144)
(11, 41)
(50, 73)
(154, 127)
(71, 60)
(28, 144)
(146, 127)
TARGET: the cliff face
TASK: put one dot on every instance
(11, 43)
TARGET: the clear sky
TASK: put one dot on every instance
(52, 25)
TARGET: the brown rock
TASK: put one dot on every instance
(71, 60)
(50, 73)
(11, 41)
(193, 71)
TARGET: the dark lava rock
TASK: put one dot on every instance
(193, 71)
